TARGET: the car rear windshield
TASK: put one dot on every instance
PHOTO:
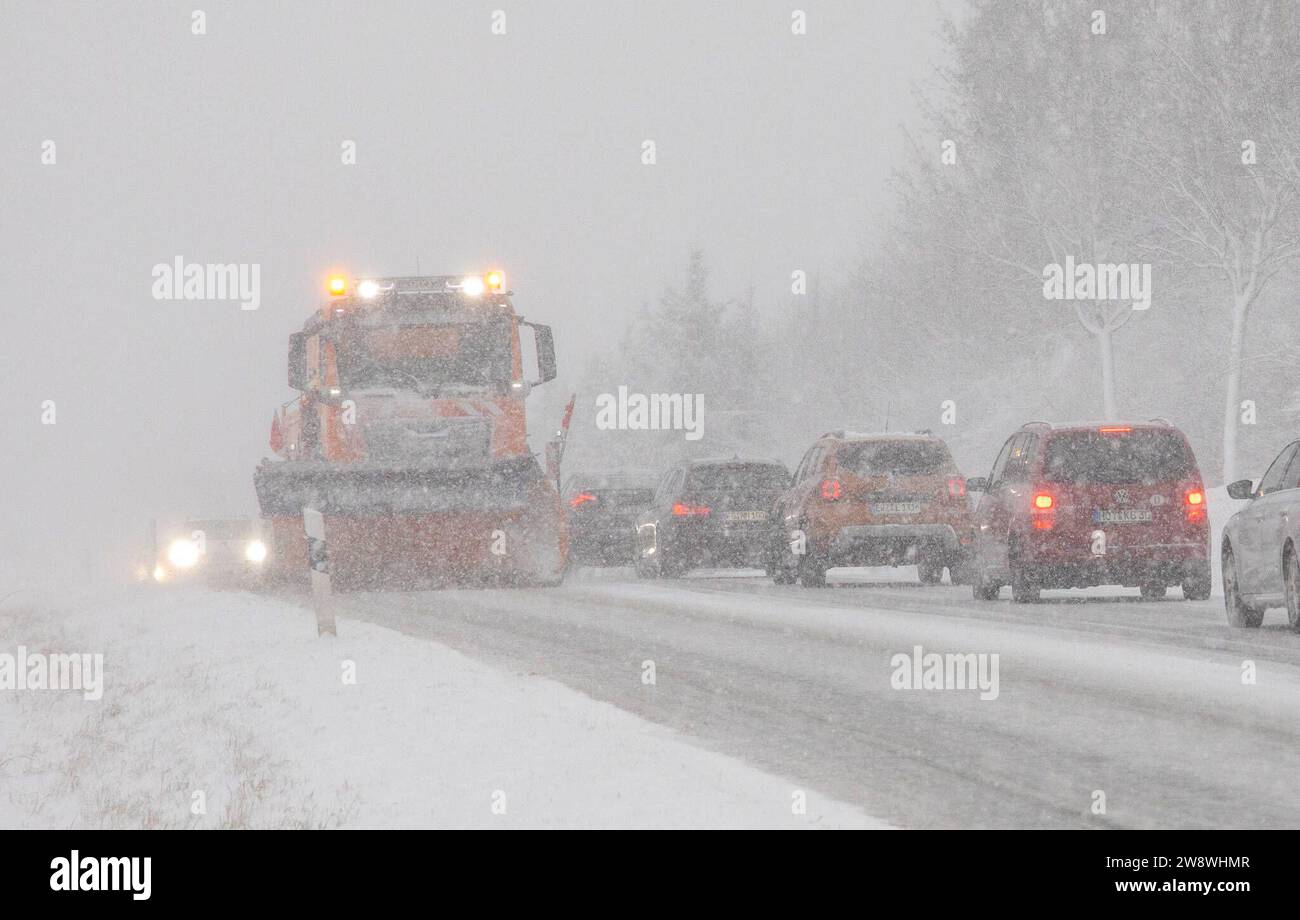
(1117, 457)
(622, 498)
(738, 476)
(602, 482)
(893, 458)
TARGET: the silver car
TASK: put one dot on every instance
(1261, 544)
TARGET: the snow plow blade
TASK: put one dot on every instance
(409, 527)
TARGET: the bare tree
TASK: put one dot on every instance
(1043, 113)
(1221, 160)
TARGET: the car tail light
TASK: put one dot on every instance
(1043, 501)
(683, 510)
(1194, 502)
(831, 489)
(956, 487)
(581, 499)
(1116, 429)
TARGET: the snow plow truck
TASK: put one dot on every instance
(408, 437)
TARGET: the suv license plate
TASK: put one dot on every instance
(1122, 516)
(896, 508)
(739, 517)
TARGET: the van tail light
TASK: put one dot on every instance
(956, 487)
(581, 499)
(831, 489)
(1194, 503)
(1043, 506)
(683, 510)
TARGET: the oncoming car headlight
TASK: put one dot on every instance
(183, 553)
(255, 551)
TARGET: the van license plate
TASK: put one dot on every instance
(1123, 516)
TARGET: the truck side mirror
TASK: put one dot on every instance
(546, 366)
(299, 378)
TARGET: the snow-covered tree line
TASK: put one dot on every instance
(1161, 137)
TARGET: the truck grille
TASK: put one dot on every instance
(451, 443)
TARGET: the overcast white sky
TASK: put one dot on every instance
(520, 151)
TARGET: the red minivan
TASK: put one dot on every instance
(1081, 505)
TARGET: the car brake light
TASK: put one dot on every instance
(1115, 429)
(581, 499)
(682, 510)
(1043, 501)
(1195, 502)
(1195, 497)
(831, 489)
(956, 487)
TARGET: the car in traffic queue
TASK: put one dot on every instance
(1261, 544)
(228, 550)
(888, 499)
(713, 513)
(603, 509)
(1076, 506)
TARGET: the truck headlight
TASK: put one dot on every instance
(255, 551)
(183, 553)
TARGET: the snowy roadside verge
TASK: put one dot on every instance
(230, 701)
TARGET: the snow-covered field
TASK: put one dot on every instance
(226, 710)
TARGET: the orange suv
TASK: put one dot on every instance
(873, 500)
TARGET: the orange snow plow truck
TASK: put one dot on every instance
(409, 439)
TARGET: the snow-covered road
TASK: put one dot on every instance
(225, 710)
(738, 698)
(1145, 709)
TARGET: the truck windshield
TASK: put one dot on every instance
(427, 358)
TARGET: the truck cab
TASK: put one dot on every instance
(409, 433)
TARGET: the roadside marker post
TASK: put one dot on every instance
(319, 565)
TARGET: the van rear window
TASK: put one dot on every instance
(893, 458)
(1117, 457)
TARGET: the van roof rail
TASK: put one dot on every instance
(1036, 425)
(1161, 420)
